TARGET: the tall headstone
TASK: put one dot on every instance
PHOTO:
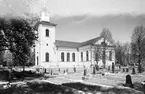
(108, 68)
(51, 72)
(127, 69)
(74, 69)
(133, 70)
(45, 70)
(128, 81)
(85, 72)
(123, 70)
(97, 67)
(143, 83)
(113, 67)
(94, 70)
(67, 70)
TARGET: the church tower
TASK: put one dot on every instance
(45, 47)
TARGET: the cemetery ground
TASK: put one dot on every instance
(73, 81)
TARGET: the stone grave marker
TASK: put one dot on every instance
(128, 81)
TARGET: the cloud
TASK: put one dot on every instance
(73, 7)
(85, 18)
(94, 7)
(121, 26)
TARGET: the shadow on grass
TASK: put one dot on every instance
(94, 89)
(40, 87)
(37, 87)
(24, 75)
(49, 88)
(136, 85)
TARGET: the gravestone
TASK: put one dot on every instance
(37, 70)
(119, 67)
(123, 70)
(108, 68)
(143, 83)
(113, 67)
(74, 69)
(51, 72)
(97, 67)
(66, 70)
(45, 71)
(85, 72)
(128, 81)
(94, 70)
(133, 70)
(127, 70)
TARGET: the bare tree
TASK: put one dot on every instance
(138, 45)
(118, 53)
(107, 35)
(123, 53)
(127, 53)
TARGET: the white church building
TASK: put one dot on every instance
(52, 53)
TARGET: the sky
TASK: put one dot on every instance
(80, 20)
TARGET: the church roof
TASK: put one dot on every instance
(67, 44)
(47, 23)
(44, 23)
(91, 41)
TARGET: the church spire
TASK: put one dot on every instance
(45, 15)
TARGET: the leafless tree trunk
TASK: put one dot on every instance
(138, 45)
(107, 35)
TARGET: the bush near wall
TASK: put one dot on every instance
(5, 74)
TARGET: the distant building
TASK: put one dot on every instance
(56, 53)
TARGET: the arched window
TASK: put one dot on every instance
(47, 57)
(81, 56)
(73, 57)
(47, 32)
(68, 57)
(110, 55)
(87, 56)
(62, 56)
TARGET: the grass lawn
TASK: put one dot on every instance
(72, 83)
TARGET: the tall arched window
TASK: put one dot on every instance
(47, 57)
(68, 57)
(47, 32)
(81, 56)
(110, 55)
(62, 56)
(87, 56)
(73, 57)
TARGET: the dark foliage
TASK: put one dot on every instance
(18, 37)
(23, 74)
(5, 75)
